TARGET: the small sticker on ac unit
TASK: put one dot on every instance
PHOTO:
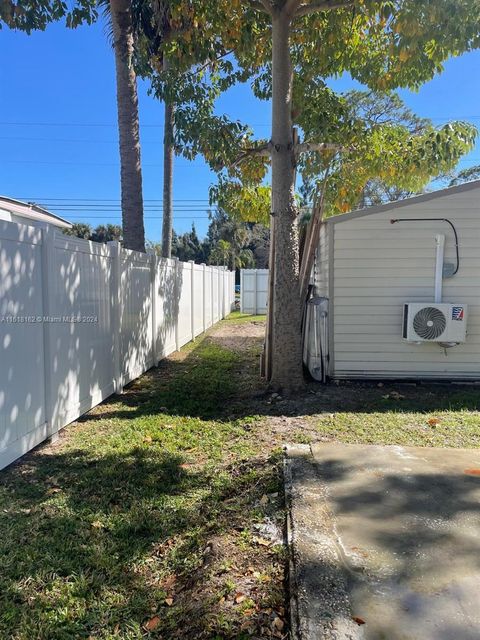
(457, 313)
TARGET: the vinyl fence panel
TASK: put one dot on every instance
(198, 299)
(215, 295)
(22, 390)
(208, 297)
(253, 291)
(80, 349)
(184, 331)
(167, 308)
(80, 319)
(136, 315)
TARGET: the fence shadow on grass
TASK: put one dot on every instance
(219, 379)
(90, 538)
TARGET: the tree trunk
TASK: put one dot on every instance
(128, 127)
(168, 158)
(287, 371)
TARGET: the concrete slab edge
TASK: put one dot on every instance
(310, 596)
(292, 582)
(295, 633)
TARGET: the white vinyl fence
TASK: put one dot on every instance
(79, 320)
(253, 291)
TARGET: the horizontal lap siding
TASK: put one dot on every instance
(379, 266)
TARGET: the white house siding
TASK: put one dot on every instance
(321, 262)
(379, 266)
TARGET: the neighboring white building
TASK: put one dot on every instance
(28, 213)
(369, 268)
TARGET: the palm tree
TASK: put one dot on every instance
(168, 160)
(161, 19)
(128, 125)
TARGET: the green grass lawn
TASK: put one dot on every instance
(159, 514)
(141, 522)
(429, 415)
(237, 317)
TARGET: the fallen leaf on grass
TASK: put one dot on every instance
(96, 524)
(433, 422)
(358, 620)
(239, 597)
(264, 500)
(152, 623)
(278, 623)
(169, 601)
(262, 542)
(168, 582)
(248, 612)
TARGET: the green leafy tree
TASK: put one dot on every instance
(187, 72)
(293, 45)
(466, 175)
(79, 230)
(101, 233)
(188, 246)
(229, 242)
(259, 244)
(107, 233)
(37, 15)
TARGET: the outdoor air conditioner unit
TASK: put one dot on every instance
(434, 322)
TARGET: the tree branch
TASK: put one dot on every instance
(322, 5)
(318, 146)
(291, 6)
(260, 5)
(264, 152)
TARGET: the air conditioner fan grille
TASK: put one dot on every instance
(429, 323)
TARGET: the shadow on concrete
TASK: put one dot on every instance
(394, 534)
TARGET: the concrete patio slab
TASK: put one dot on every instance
(385, 542)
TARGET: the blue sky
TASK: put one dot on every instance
(58, 135)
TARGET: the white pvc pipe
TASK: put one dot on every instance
(440, 250)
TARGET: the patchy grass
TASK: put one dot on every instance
(156, 516)
(237, 317)
(458, 429)
(159, 514)
(429, 415)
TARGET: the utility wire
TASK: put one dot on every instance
(85, 164)
(118, 217)
(161, 126)
(95, 124)
(114, 199)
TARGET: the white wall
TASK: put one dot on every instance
(379, 266)
(79, 319)
(253, 291)
(322, 261)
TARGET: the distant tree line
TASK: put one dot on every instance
(236, 244)
(101, 233)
